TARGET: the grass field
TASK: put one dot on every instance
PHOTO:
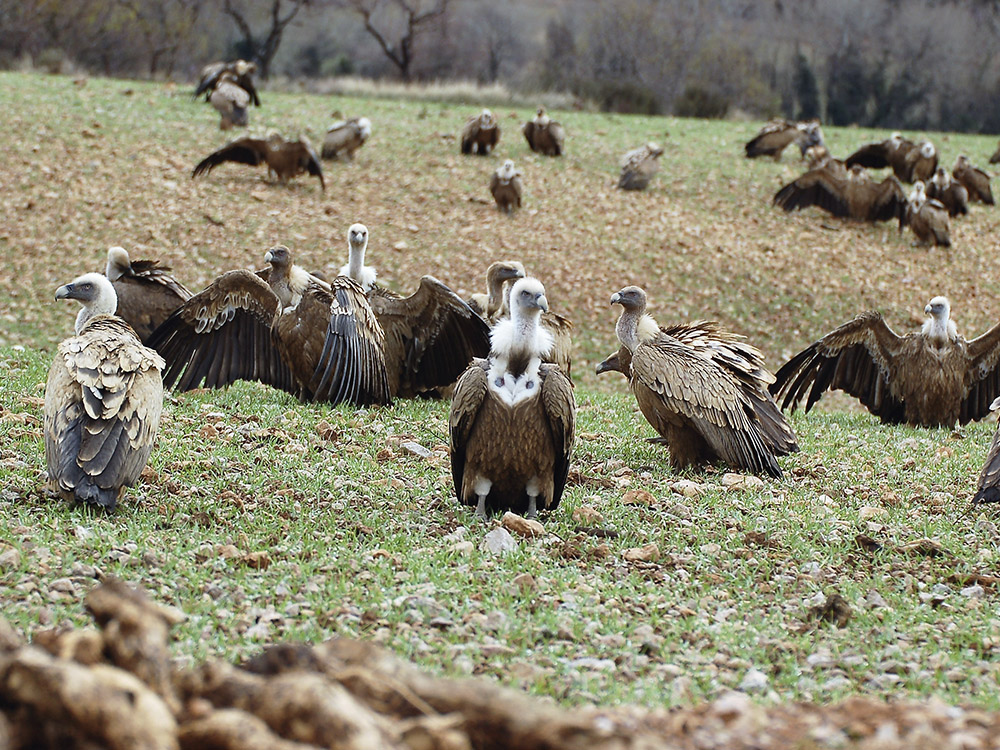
(264, 519)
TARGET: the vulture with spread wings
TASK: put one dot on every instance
(928, 379)
(844, 193)
(777, 135)
(240, 72)
(147, 292)
(910, 161)
(286, 159)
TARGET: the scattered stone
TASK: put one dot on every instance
(973, 592)
(463, 548)
(498, 542)
(754, 681)
(874, 600)
(10, 559)
(415, 448)
(521, 526)
(869, 512)
(647, 553)
(688, 488)
(526, 583)
(587, 515)
(638, 497)
(737, 482)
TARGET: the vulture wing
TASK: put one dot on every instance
(858, 357)
(351, 366)
(889, 201)
(982, 375)
(771, 141)
(818, 187)
(988, 488)
(529, 133)
(209, 75)
(341, 140)
(871, 156)
(312, 165)
(102, 407)
(148, 296)
(223, 334)
(430, 336)
(470, 391)
(560, 411)
(561, 329)
(246, 83)
(977, 183)
(252, 151)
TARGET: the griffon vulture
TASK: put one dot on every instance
(909, 161)
(776, 135)
(231, 102)
(430, 336)
(927, 218)
(988, 488)
(849, 194)
(488, 306)
(241, 73)
(931, 378)
(996, 156)
(505, 185)
(480, 134)
(975, 180)
(102, 400)
(544, 136)
(345, 137)
(283, 327)
(951, 193)
(639, 166)
(286, 159)
(702, 389)
(512, 417)
(147, 292)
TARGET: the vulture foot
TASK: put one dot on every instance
(532, 513)
(481, 508)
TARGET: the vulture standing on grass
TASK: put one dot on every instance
(286, 159)
(639, 166)
(430, 336)
(147, 292)
(844, 193)
(102, 400)
(488, 306)
(231, 101)
(988, 488)
(240, 72)
(776, 135)
(345, 137)
(950, 192)
(702, 389)
(909, 161)
(975, 180)
(927, 218)
(505, 185)
(283, 327)
(926, 379)
(544, 136)
(512, 418)
(481, 134)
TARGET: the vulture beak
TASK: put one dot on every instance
(603, 366)
(541, 303)
(616, 298)
(268, 256)
(65, 292)
(927, 310)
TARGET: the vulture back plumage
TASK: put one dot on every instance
(639, 166)
(988, 486)
(147, 291)
(974, 180)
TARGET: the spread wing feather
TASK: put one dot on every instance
(148, 295)
(773, 139)
(870, 156)
(560, 409)
(817, 187)
(252, 151)
(982, 376)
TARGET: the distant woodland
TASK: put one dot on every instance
(906, 64)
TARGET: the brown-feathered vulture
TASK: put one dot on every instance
(909, 161)
(778, 134)
(975, 180)
(488, 306)
(702, 389)
(505, 185)
(147, 292)
(639, 166)
(931, 378)
(480, 134)
(241, 73)
(345, 137)
(102, 400)
(950, 192)
(996, 156)
(927, 218)
(845, 193)
(231, 102)
(430, 336)
(283, 327)
(988, 487)
(286, 159)
(513, 417)
(544, 136)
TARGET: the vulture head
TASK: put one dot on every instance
(631, 298)
(504, 270)
(365, 127)
(633, 326)
(507, 171)
(278, 256)
(918, 195)
(940, 326)
(119, 263)
(357, 241)
(927, 150)
(895, 140)
(612, 364)
(94, 292)
(527, 299)
(961, 162)
(243, 67)
(541, 118)
(486, 120)
(521, 338)
(858, 174)
(941, 178)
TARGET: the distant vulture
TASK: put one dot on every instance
(988, 489)
(702, 389)
(345, 137)
(102, 400)
(231, 102)
(505, 185)
(817, 156)
(951, 193)
(996, 156)
(639, 166)
(488, 306)
(848, 194)
(928, 379)
(544, 136)
(975, 180)
(776, 135)
(286, 159)
(430, 336)
(513, 418)
(909, 161)
(240, 73)
(147, 292)
(283, 327)
(480, 134)
(927, 218)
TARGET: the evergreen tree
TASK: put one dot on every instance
(806, 89)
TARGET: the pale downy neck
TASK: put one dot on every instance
(517, 345)
(356, 268)
(634, 327)
(106, 303)
(940, 329)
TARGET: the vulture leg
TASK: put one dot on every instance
(481, 508)
(532, 508)
(482, 489)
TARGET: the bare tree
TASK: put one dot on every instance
(165, 25)
(264, 47)
(405, 19)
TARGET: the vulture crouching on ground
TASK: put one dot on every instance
(147, 292)
(102, 400)
(702, 389)
(639, 166)
(283, 327)
(430, 336)
(973, 179)
(927, 218)
(345, 137)
(285, 159)
(927, 379)
(231, 102)
(544, 136)
(505, 185)
(776, 135)
(240, 73)
(481, 134)
(909, 161)
(849, 194)
(950, 192)
(512, 417)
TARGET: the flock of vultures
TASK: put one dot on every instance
(502, 357)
